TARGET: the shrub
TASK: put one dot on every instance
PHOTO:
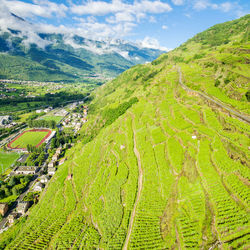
(217, 83)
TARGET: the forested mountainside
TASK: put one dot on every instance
(160, 164)
(60, 57)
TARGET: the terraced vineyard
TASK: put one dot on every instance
(171, 171)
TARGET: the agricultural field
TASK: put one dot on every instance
(7, 159)
(57, 119)
(33, 137)
(155, 167)
(161, 185)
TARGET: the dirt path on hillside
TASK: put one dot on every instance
(132, 217)
(236, 114)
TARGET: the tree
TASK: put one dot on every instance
(41, 158)
(7, 192)
(15, 191)
(2, 194)
(12, 181)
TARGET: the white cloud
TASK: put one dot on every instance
(187, 15)
(152, 19)
(101, 8)
(8, 21)
(41, 8)
(152, 43)
(178, 2)
(224, 7)
(164, 27)
(201, 5)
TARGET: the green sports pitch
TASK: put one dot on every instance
(34, 137)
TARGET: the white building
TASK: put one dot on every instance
(51, 164)
(38, 187)
(5, 120)
(51, 171)
(22, 207)
(25, 170)
(44, 179)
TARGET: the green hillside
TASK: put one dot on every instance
(158, 166)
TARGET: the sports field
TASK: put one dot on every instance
(6, 160)
(33, 137)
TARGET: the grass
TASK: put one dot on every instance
(6, 160)
(57, 119)
(29, 137)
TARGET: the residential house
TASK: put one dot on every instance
(51, 164)
(48, 109)
(12, 217)
(22, 207)
(38, 187)
(84, 120)
(55, 157)
(3, 208)
(44, 179)
(58, 151)
(25, 170)
(78, 125)
(51, 171)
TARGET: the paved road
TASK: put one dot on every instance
(235, 113)
(140, 182)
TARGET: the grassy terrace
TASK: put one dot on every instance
(156, 167)
(187, 183)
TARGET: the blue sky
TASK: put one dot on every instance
(154, 23)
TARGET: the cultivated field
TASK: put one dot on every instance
(34, 137)
(157, 167)
(52, 118)
(162, 185)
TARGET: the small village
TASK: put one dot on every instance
(73, 117)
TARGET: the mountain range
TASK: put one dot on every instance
(163, 161)
(26, 54)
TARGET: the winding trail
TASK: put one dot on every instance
(132, 217)
(236, 114)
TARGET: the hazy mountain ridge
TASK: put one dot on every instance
(157, 166)
(65, 57)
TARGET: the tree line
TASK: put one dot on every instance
(42, 124)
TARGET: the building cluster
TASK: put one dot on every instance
(75, 120)
(38, 111)
(4, 90)
(21, 209)
(25, 170)
(53, 162)
(61, 112)
(32, 83)
(39, 182)
(6, 122)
